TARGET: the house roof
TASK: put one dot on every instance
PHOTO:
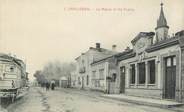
(125, 55)
(102, 59)
(142, 34)
(163, 44)
(157, 46)
(104, 51)
(7, 57)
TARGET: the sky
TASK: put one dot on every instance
(40, 31)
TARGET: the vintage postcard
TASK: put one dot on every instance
(91, 55)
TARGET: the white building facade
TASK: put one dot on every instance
(83, 74)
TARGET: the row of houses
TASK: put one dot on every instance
(154, 67)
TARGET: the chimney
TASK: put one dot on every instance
(114, 47)
(98, 45)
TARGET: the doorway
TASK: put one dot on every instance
(170, 77)
(122, 79)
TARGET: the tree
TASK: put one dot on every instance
(39, 77)
(55, 70)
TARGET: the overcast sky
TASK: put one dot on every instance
(46, 30)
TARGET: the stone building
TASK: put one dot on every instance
(153, 68)
(83, 70)
(104, 72)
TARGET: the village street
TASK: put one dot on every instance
(71, 100)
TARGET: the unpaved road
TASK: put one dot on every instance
(71, 100)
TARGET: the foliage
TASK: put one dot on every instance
(40, 77)
(54, 70)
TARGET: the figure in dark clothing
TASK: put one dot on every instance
(52, 84)
(47, 86)
(13, 84)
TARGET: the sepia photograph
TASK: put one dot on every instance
(91, 55)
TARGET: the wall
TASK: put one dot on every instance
(161, 33)
(97, 67)
(110, 68)
(150, 90)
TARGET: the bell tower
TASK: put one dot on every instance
(162, 27)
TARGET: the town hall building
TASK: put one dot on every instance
(154, 68)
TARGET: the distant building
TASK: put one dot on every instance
(83, 72)
(63, 82)
(153, 69)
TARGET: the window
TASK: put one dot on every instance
(168, 62)
(174, 61)
(151, 65)
(101, 73)
(122, 69)
(171, 61)
(113, 77)
(132, 72)
(142, 73)
(10, 68)
(87, 80)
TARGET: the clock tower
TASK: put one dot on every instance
(162, 27)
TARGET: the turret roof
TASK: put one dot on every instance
(162, 22)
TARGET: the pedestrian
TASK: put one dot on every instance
(52, 84)
(47, 86)
(13, 84)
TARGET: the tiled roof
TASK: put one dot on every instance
(125, 55)
(106, 55)
(163, 44)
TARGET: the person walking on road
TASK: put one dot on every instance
(52, 84)
(47, 85)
